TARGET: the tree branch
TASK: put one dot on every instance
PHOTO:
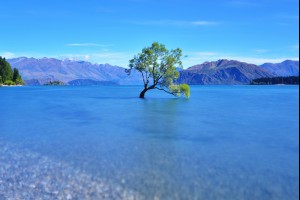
(143, 78)
(153, 68)
(158, 79)
(173, 93)
(148, 77)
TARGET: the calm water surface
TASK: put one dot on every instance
(225, 142)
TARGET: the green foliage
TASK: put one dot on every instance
(185, 89)
(180, 89)
(175, 89)
(16, 74)
(9, 82)
(157, 66)
(5, 70)
(19, 81)
(17, 77)
(9, 76)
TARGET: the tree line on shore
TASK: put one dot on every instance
(289, 80)
(9, 76)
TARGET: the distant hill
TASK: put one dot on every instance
(33, 82)
(222, 72)
(39, 71)
(285, 68)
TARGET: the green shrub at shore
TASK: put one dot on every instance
(9, 76)
(9, 82)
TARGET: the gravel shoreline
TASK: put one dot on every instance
(29, 175)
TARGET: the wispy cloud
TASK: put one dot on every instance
(88, 45)
(175, 23)
(7, 55)
(114, 58)
(77, 57)
(261, 50)
(202, 23)
(103, 56)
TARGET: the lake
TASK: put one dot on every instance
(225, 142)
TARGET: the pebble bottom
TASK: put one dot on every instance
(29, 175)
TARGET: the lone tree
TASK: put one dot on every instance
(158, 68)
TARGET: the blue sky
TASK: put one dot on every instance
(113, 31)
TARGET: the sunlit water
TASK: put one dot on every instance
(225, 142)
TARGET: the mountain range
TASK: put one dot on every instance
(222, 72)
(286, 68)
(40, 71)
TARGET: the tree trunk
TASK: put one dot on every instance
(142, 94)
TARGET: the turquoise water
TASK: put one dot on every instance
(225, 142)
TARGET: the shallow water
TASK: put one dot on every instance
(225, 142)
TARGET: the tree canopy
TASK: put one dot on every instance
(6, 72)
(8, 75)
(158, 68)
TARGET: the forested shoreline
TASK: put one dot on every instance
(289, 80)
(9, 76)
